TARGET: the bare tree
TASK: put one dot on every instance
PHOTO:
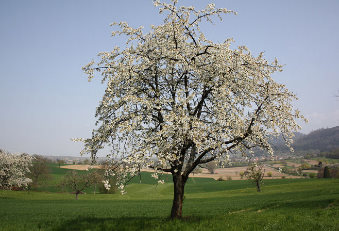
(60, 162)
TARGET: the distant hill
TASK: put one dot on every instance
(323, 140)
(319, 141)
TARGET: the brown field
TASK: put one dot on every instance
(80, 167)
(278, 165)
(220, 173)
(293, 164)
(234, 173)
(310, 171)
(312, 162)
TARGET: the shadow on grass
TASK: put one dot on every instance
(125, 223)
(193, 222)
(306, 204)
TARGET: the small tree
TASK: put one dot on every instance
(39, 169)
(255, 173)
(211, 166)
(97, 178)
(269, 174)
(60, 162)
(177, 98)
(77, 181)
(14, 169)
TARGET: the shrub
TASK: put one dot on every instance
(242, 174)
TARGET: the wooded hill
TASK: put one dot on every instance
(321, 142)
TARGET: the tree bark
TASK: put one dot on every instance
(76, 195)
(258, 186)
(179, 186)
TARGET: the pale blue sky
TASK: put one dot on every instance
(45, 98)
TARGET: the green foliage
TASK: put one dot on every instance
(39, 170)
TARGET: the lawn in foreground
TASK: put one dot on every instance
(283, 205)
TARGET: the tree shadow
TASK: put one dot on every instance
(123, 223)
(304, 204)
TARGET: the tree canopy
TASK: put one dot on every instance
(175, 99)
(13, 170)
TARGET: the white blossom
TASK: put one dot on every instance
(13, 170)
(106, 185)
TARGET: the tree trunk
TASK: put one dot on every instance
(179, 186)
(258, 186)
(76, 195)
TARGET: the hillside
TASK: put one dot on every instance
(319, 141)
(324, 140)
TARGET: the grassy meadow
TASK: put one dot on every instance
(284, 204)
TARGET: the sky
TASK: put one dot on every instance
(45, 98)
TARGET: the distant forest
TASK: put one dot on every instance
(321, 142)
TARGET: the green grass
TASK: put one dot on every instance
(54, 178)
(286, 204)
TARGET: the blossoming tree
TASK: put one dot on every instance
(255, 173)
(175, 100)
(13, 170)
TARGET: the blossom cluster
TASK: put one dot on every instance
(14, 169)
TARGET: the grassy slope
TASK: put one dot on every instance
(209, 205)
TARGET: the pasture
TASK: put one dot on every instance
(284, 204)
